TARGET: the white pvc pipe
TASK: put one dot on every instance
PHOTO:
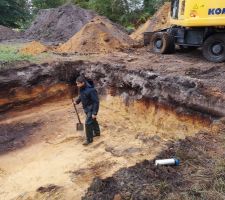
(172, 161)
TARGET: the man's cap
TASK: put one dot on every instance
(80, 79)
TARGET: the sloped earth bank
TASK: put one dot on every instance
(142, 110)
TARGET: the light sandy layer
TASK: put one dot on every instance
(55, 154)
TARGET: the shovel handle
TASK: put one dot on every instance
(71, 95)
(76, 111)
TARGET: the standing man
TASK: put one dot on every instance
(90, 101)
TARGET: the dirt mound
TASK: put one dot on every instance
(159, 21)
(34, 48)
(7, 33)
(58, 24)
(98, 36)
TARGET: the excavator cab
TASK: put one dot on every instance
(198, 13)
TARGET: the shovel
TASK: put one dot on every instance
(80, 126)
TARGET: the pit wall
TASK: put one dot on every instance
(147, 118)
(33, 83)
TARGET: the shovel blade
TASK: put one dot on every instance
(80, 127)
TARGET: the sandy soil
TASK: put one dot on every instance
(49, 161)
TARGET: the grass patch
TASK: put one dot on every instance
(10, 53)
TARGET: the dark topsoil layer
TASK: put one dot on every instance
(17, 135)
(200, 175)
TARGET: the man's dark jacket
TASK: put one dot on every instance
(89, 99)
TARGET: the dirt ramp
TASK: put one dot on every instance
(58, 24)
(98, 36)
(8, 34)
(159, 21)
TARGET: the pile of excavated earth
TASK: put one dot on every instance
(81, 30)
(158, 21)
(98, 36)
(58, 24)
(8, 34)
(34, 48)
(77, 30)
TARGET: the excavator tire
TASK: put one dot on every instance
(214, 48)
(171, 44)
(162, 42)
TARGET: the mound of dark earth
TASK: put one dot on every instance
(58, 24)
(8, 34)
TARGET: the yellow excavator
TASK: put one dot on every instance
(194, 24)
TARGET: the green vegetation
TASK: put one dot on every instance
(9, 53)
(14, 13)
(43, 4)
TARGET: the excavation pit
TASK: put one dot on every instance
(39, 145)
(52, 152)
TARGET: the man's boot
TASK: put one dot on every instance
(86, 143)
(89, 134)
(96, 128)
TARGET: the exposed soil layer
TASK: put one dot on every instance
(8, 34)
(58, 24)
(98, 36)
(160, 20)
(177, 84)
(200, 175)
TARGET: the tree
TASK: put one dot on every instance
(81, 3)
(13, 12)
(43, 4)
(152, 5)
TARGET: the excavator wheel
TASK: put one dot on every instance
(214, 48)
(162, 42)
